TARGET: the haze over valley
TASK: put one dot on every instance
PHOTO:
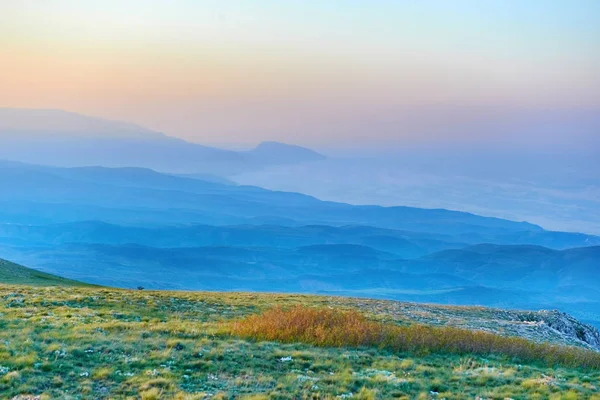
(92, 209)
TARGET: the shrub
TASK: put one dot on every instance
(337, 328)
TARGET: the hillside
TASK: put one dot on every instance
(106, 343)
(14, 274)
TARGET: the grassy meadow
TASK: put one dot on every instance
(96, 343)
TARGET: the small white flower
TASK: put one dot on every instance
(85, 373)
(60, 353)
(285, 359)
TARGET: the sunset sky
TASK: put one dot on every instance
(312, 72)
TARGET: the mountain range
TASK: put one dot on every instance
(52, 194)
(189, 227)
(130, 227)
(61, 138)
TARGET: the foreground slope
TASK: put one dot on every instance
(96, 343)
(11, 273)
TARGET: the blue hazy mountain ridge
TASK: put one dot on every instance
(61, 138)
(408, 244)
(509, 267)
(52, 194)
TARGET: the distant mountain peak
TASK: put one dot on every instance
(284, 152)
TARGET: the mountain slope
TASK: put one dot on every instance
(14, 274)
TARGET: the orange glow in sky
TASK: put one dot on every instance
(309, 72)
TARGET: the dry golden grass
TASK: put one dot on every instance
(337, 328)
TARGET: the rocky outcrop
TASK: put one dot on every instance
(549, 326)
(569, 327)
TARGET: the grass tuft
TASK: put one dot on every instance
(338, 328)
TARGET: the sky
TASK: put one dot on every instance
(319, 73)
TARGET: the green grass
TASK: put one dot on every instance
(11, 273)
(92, 343)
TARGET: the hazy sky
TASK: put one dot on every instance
(312, 72)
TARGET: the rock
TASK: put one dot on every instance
(571, 327)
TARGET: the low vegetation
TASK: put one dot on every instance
(12, 273)
(334, 327)
(98, 343)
